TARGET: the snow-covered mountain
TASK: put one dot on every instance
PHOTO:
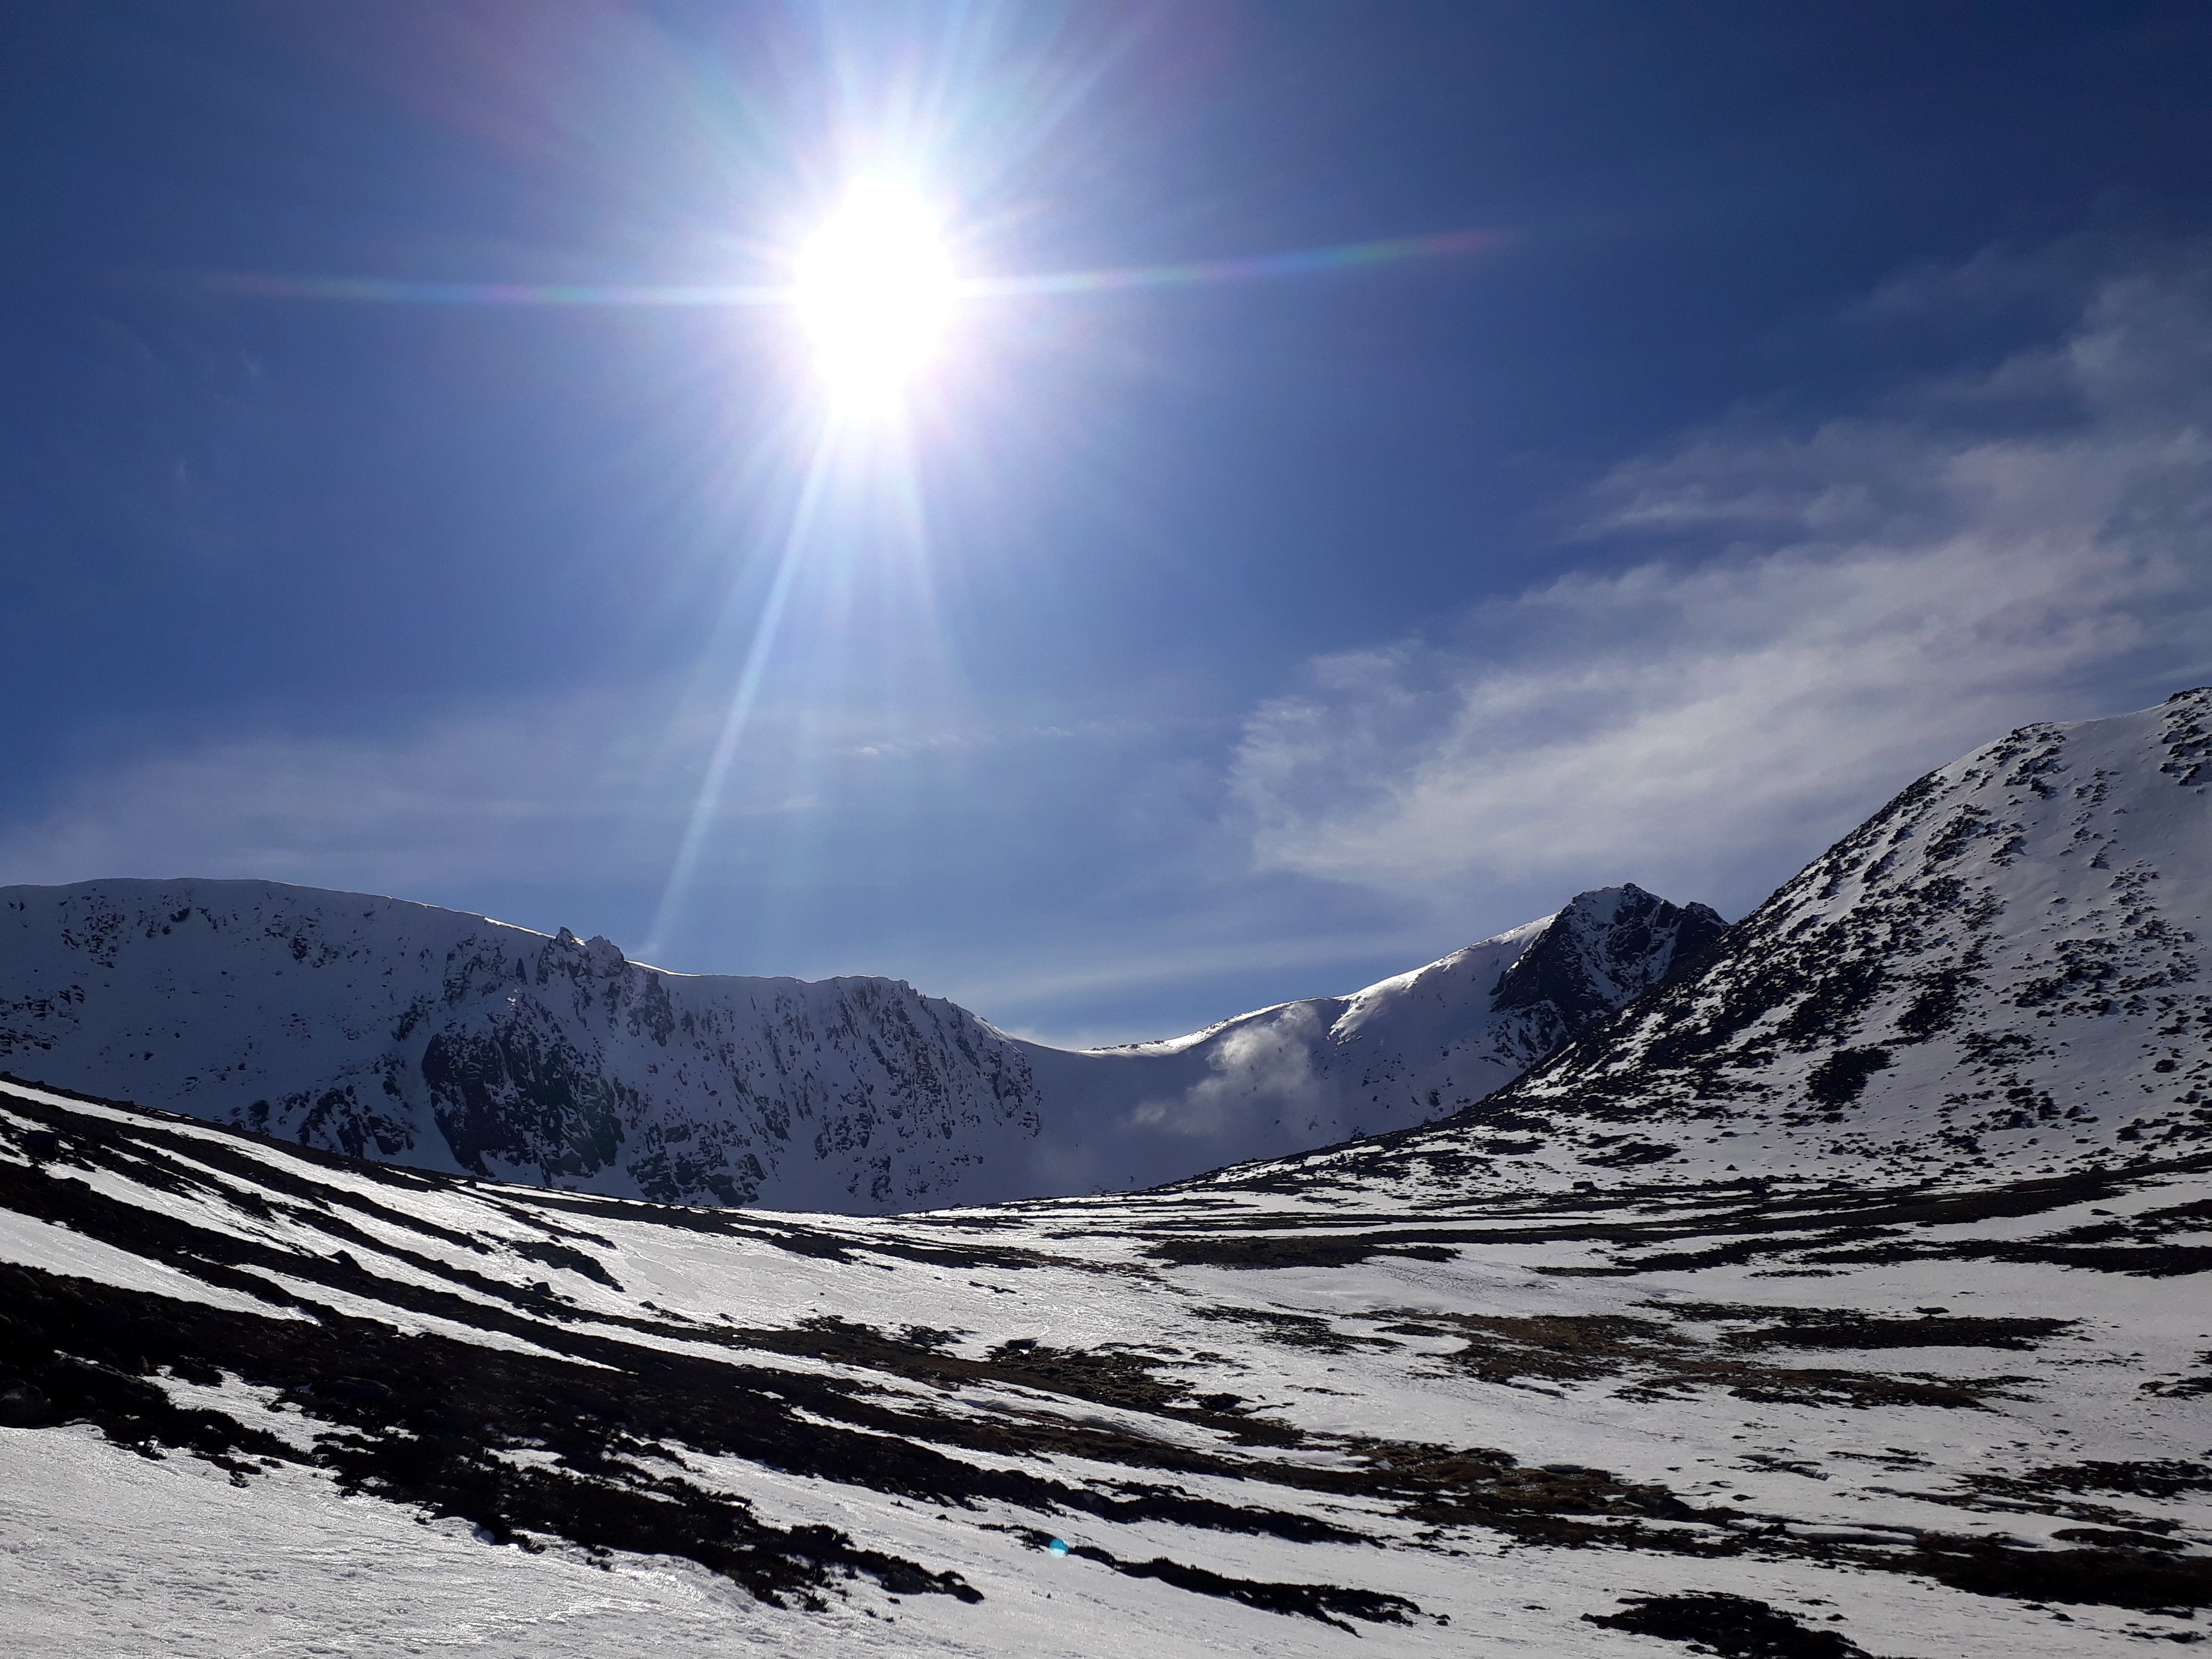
(2002, 972)
(446, 1041)
(1405, 1051)
(392, 1031)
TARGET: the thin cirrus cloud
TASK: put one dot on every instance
(591, 783)
(518, 790)
(1835, 611)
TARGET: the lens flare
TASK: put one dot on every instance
(874, 288)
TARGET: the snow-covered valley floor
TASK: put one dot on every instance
(262, 1400)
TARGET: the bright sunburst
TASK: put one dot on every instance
(874, 287)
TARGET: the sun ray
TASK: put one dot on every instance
(685, 864)
(875, 290)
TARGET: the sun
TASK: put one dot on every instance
(874, 288)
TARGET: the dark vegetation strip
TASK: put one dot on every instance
(420, 1419)
(2111, 1577)
(534, 1317)
(2141, 1261)
(229, 1148)
(451, 1395)
(1763, 1207)
(1840, 1219)
(1561, 1347)
(389, 1175)
(417, 1419)
(794, 1236)
(693, 1392)
(1320, 1602)
(144, 1231)
(1738, 1627)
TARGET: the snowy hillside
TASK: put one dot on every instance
(255, 1399)
(448, 1041)
(2001, 973)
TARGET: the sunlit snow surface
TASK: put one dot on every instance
(1320, 1428)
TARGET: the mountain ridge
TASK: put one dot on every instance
(1996, 973)
(386, 1029)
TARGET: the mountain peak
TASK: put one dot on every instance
(2000, 973)
(2010, 944)
(1607, 946)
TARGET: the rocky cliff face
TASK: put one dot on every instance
(2000, 973)
(449, 1041)
(430, 1037)
(1602, 952)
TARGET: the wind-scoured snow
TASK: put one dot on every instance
(449, 1041)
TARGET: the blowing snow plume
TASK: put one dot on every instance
(1264, 1065)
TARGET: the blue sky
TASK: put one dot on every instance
(1827, 390)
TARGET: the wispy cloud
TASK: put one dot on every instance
(592, 785)
(1836, 609)
(519, 791)
(1261, 1069)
